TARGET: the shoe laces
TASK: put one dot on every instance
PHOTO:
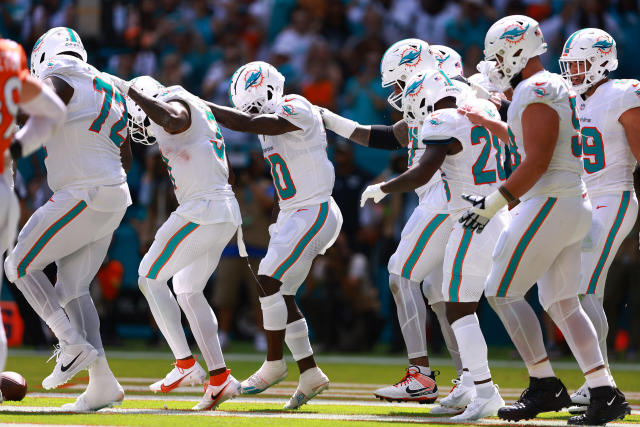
(57, 351)
(408, 377)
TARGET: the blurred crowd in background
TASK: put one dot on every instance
(329, 52)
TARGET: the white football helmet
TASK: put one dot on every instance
(401, 61)
(593, 46)
(138, 121)
(448, 60)
(256, 85)
(515, 39)
(423, 90)
(55, 41)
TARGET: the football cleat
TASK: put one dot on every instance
(215, 395)
(97, 396)
(413, 387)
(70, 359)
(481, 407)
(542, 395)
(179, 376)
(581, 396)
(607, 404)
(269, 374)
(312, 382)
(457, 399)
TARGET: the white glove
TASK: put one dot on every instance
(272, 229)
(122, 85)
(336, 123)
(484, 208)
(372, 192)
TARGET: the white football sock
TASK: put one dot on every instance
(599, 378)
(100, 370)
(449, 337)
(579, 333)
(592, 306)
(523, 327)
(297, 339)
(274, 312)
(204, 326)
(412, 314)
(166, 312)
(42, 297)
(473, 348)
(424, 370)
(84, 317)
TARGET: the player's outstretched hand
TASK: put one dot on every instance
(122, 85)
(372, 192)
(474, 113)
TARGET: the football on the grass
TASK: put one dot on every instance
(13, 386)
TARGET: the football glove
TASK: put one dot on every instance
(482, 210)
(372, 192)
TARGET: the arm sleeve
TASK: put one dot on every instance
(47, 112)
(383, 137)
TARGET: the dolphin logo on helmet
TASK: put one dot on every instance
(514, 34)
(254, 79)
(415, 87)
(410, 56)
(604, 45)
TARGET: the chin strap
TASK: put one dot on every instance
(515, 80)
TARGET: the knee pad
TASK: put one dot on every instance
(274, 312)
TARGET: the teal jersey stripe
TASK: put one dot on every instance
(622, 210)
(169, 249)
(48, 235)
(424, 238)
(522, 246)
(297, 251)
(456, 272)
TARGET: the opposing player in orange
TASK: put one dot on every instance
(19, 90)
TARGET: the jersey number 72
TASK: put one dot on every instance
(109, 93)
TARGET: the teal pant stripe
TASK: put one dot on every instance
(424, 238)
(622, 210)
(522, 246)
(456, 273)
(169, 249)
(297, 251)
(48, 235)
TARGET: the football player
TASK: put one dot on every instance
(471, 160)
(609, 112)
(84, 162)
(542, 242)
(19, 90)
(188, 245)
(423, 240)
(294, 144)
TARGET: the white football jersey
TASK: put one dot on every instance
(416, 149)
(85, 151)
(478, 168)
(196, 158)
(300, 167)
(563, 176)
(606, 156)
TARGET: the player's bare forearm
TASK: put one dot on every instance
(261, 124)
(479, 117)
(126, 157)
(540, 127)
(630, 121)
(169, 115)
(419, 175)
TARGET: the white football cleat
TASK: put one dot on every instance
(215, 395)
(178, 376)
(97, 397)
(481, 407)
(457, 399)
(312, 382)
(414, 387)
(269, 374)
(581, 396)
(70, 359)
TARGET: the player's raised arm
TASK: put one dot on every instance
(375, 136)
(47, 112)
(173, 116)
(260, 124)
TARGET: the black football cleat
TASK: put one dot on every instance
(607, 404)
(542, 395)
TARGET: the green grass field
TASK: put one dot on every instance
(349, 401)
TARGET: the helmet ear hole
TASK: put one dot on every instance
(422, 102)
(42, 58)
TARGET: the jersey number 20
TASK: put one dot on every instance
(109, 93)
